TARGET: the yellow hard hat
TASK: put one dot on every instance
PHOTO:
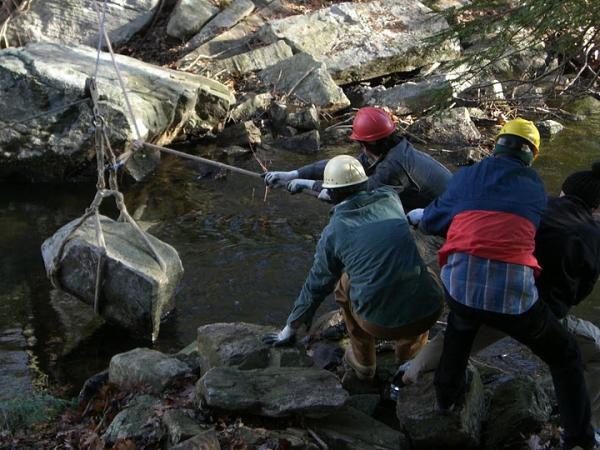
(342, 171)
(524, 129)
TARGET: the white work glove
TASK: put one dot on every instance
(297, 185)
(324, 195)
(414, 217)
(286, 336)
(276, 178)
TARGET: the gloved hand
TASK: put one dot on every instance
(414, 217)
(296, 186)
(324, 195)
(276, 178)
(287, 336)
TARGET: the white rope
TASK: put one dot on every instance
(118, 72)
(100, 38)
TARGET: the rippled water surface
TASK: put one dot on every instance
(245, 259)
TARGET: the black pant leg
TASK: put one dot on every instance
(449, 378)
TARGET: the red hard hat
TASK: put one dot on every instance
(371, 124)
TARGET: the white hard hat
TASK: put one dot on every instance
(342, 171)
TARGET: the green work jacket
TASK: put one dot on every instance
(368, 237)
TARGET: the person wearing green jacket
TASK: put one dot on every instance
(368, 257)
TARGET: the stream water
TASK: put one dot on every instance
(245, 259)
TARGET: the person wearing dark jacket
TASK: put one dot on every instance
(388, 159)
(368, 256)
(490, 214)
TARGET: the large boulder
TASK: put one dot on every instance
(272, 392)
(47, 121)
(427, 428)
(189, 16)
(453, 128)
(76, 21)
(518, 406)
(308, 80)
(240, 345)
(146, 367)
(359, 41)
(135, 292)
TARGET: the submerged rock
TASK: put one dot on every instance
(359, 41)
(48, 81)
(146, 367)
(549, 128)
(272, 392)
(76, 21)
(427, 428)
(135, 293)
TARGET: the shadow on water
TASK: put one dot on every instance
(245, 259)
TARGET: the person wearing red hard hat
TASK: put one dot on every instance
(388, 158)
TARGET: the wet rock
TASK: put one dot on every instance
(76, 22)
(306, 143)
(135, 293)
(207, 440)
(227, 18)
(78, 320)
(518, 407)
(426, 428)
(453, 128)
(234, 152)
(189, 16)
(179, 425)
(327, 356)
(308, 80)
(301, 118)
(336, 135)
(49, 77)
(410, 97)
(254, 60)
(243, 133)
(133, 422)
(250, 107)
(329, 326)
(365, 403)
(348, 38)
(272, 392)
(228, 43)
(189, 355)
(261, 438)
(353, 430)
(586, 106)
(240, 345)
(146, 367)
(549, 128)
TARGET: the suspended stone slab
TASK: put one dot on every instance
(272, 392)
(145, 367)
(254, 60)
(135, 293)
(427, 428)
(308, 80)
(351, 429)
(48, 81)
(76, 21)
(360, 41)
(226, 19)
(189, 16)
(78, 320)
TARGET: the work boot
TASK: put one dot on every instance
(364, 373)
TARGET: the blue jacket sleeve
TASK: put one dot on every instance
(324, 274)
(438, 216)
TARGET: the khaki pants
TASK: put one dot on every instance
(586, 334)
(409, 338)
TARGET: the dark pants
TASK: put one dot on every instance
(539, 330)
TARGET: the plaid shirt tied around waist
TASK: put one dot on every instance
(489, 285)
